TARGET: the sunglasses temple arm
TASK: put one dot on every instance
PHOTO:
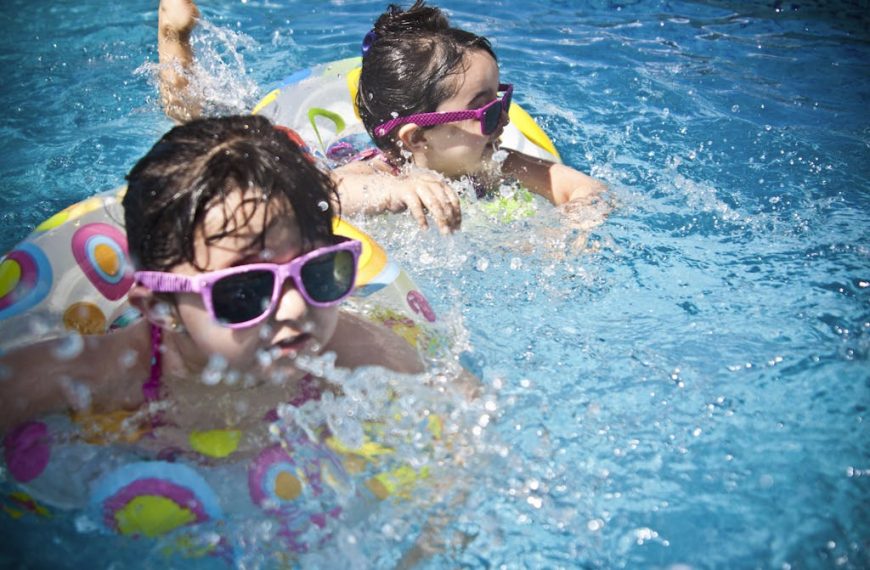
(165, 282)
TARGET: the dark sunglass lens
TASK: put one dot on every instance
(328, 277)
(242, 297)
(491, 119)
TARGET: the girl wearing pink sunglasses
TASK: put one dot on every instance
(229, 227)
(430, 95)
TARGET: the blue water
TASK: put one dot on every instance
(690, 390)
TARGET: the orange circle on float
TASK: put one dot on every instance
(287, 486)
(84, 318)
(106, 259)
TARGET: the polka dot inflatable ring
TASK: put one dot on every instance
(153, 498)
(25, 280)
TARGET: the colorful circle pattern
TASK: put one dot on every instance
(301, 487)
(101, 252)
(25, 280)
(154, 497)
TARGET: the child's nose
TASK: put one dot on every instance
(291, 304)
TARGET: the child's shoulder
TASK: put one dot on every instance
(359, 342)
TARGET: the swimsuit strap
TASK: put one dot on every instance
(371, 153)
(151, 388)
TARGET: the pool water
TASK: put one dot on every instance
(687, 389)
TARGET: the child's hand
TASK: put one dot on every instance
(175, 21)
(584, 215)
(369, 187)
(424, 193)
(178, 17)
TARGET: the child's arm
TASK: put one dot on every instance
(175, 21)
(556, 182)
(103, 373)
(366, 188)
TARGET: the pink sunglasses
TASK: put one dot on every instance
(489, 115)
(245, 295)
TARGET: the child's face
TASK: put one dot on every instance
(459, 148)
(294, 327)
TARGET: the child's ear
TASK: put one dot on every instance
(413, 137)
(154, 309)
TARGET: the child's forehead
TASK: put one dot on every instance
(476, 66)
(477, 75)
(244, 215)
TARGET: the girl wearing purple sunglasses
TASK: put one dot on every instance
(430, 95)
(229, 227)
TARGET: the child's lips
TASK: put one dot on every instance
(290, 346)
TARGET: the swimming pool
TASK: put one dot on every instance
(690, 394)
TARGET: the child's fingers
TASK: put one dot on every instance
(415, 206)
(436, 198)
(445, 205)
(455, 208)
(432, 204)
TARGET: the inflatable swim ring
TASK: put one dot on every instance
(319, 103)
(70, 277)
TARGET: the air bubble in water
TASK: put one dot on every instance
(84, 524)
(77, 393)
(69, 347)
(162, 310)
(214, 370)
(499, 156)
(264, 358)
(128, 358)
(38, 326)
(482, 264)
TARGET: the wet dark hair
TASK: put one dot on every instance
(199, 164)
(405, 69)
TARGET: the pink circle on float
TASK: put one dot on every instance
(90, 244)
(27, 450)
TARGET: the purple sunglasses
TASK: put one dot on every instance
(489, 115)
(245, 295)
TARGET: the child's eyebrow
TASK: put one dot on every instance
(482, 96)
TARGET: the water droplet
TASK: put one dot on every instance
(68, 347)
(595, 525)
(128, 358)
(214, 370)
